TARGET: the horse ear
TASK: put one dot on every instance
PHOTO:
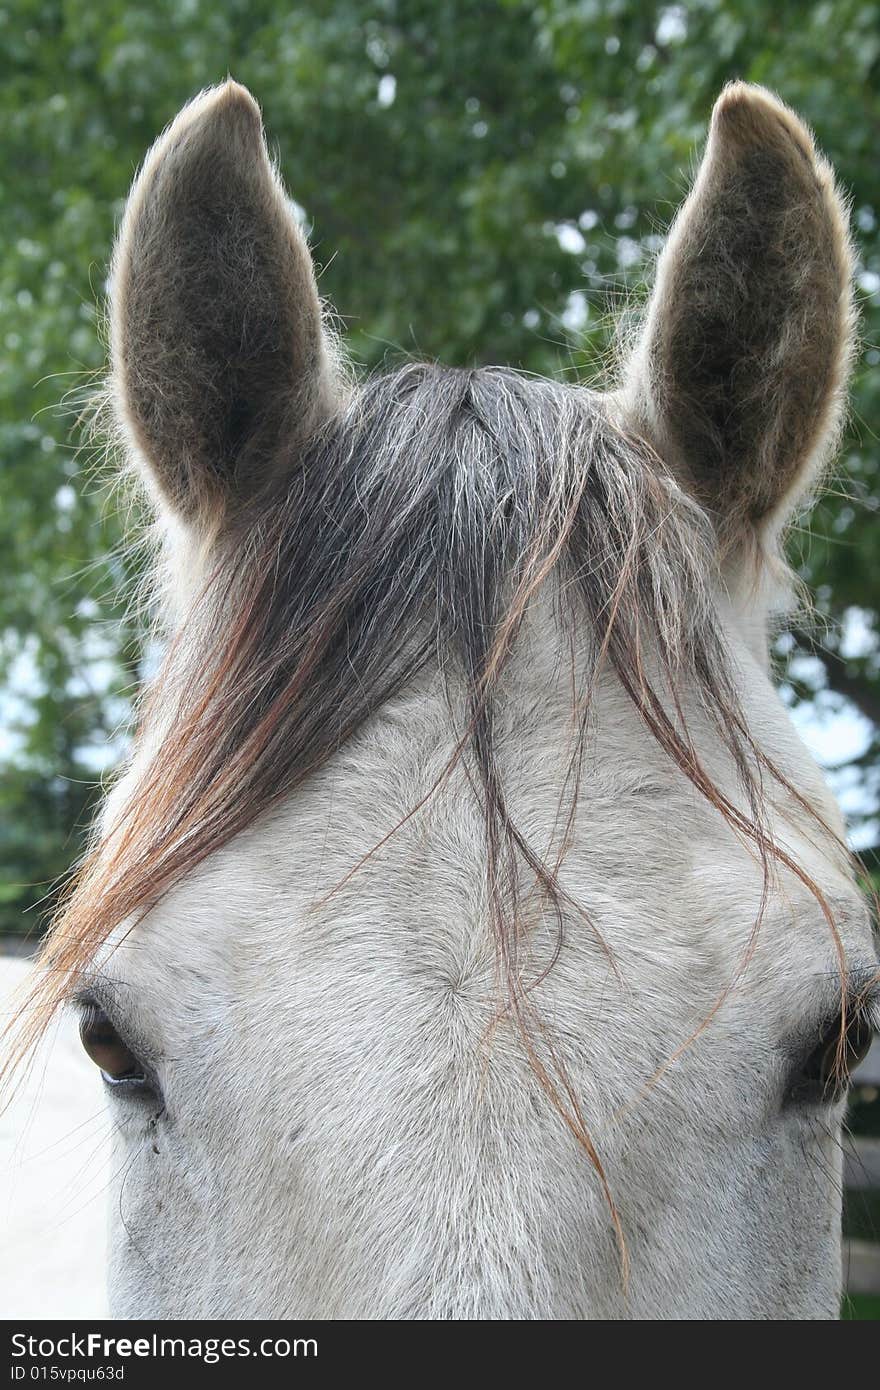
(739, 374)
(218, 355)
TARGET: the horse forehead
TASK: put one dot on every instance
(343, 872)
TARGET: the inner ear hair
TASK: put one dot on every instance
(219, 357)
(739, 375)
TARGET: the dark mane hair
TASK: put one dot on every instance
(422, 521)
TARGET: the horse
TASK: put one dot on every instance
(469, 934)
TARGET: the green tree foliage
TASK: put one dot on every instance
(486, 180)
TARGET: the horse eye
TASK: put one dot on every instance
(103, 1044)
(824, 1076)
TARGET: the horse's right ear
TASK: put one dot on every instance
(218, 355)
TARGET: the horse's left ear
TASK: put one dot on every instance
(739, 375)
(218, 354)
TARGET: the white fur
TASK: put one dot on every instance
(350, 1128)
(347, 1136)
